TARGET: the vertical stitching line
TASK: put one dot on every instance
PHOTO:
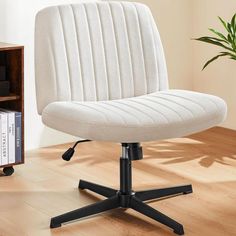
(135, 108)
(176, 95)
(118, 57)
(92, 50)
(171, 101)
(214, 103)
(142, 46)
(78, 47)
(157, 59)
(66, 50)
(123, 110)
(188, 99)
(54, 67)
(155, 46)
(164, 105)
(104, 106)
(105, 56)
(86, 104)
(139, 101)
(130, 53)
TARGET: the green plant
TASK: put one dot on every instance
(227, 42)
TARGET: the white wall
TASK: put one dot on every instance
(220, 77)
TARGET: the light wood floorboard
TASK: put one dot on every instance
(46, 186)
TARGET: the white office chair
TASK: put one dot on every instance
(101, 75)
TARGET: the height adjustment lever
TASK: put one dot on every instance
(70, 152)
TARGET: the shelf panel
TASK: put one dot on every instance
(11, 97)
(8, 46)
(13, 164)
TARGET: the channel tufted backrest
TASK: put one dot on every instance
(97, 51)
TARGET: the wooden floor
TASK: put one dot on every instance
(46, 186)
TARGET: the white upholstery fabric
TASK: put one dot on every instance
(160, 115)
(97, 51)
(101, 75)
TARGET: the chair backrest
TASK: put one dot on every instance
(97, 51)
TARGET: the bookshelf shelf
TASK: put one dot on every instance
(12, 58)
(11, 97)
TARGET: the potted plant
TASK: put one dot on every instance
(226, 41)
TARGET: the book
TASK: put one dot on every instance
(4, 138)
(11, 136)
(18, 156)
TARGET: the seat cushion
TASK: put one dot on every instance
(159, 115)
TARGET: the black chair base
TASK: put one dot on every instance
(116, 199)
(125, 198)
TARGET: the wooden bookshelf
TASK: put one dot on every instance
(11, 97)
(14, 63)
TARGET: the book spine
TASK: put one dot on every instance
(4, 138)
(18, 137)
(11, 137)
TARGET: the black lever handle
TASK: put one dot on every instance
(70, 152)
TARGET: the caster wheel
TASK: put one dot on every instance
(8, 171)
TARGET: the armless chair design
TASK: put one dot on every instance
(101, 75)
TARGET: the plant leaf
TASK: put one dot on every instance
(228, 53)
(214, 58)
(227, 42)
(229, 29)
(220, 35)
(230, 38)
(233, 23)
(213, 41)
(210, 38)
(223, 23)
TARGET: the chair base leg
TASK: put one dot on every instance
(96, 208)
(115, 199)
(146, 210)
(164, 192)
(102, 190)
(125, 197)
(54, 224)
